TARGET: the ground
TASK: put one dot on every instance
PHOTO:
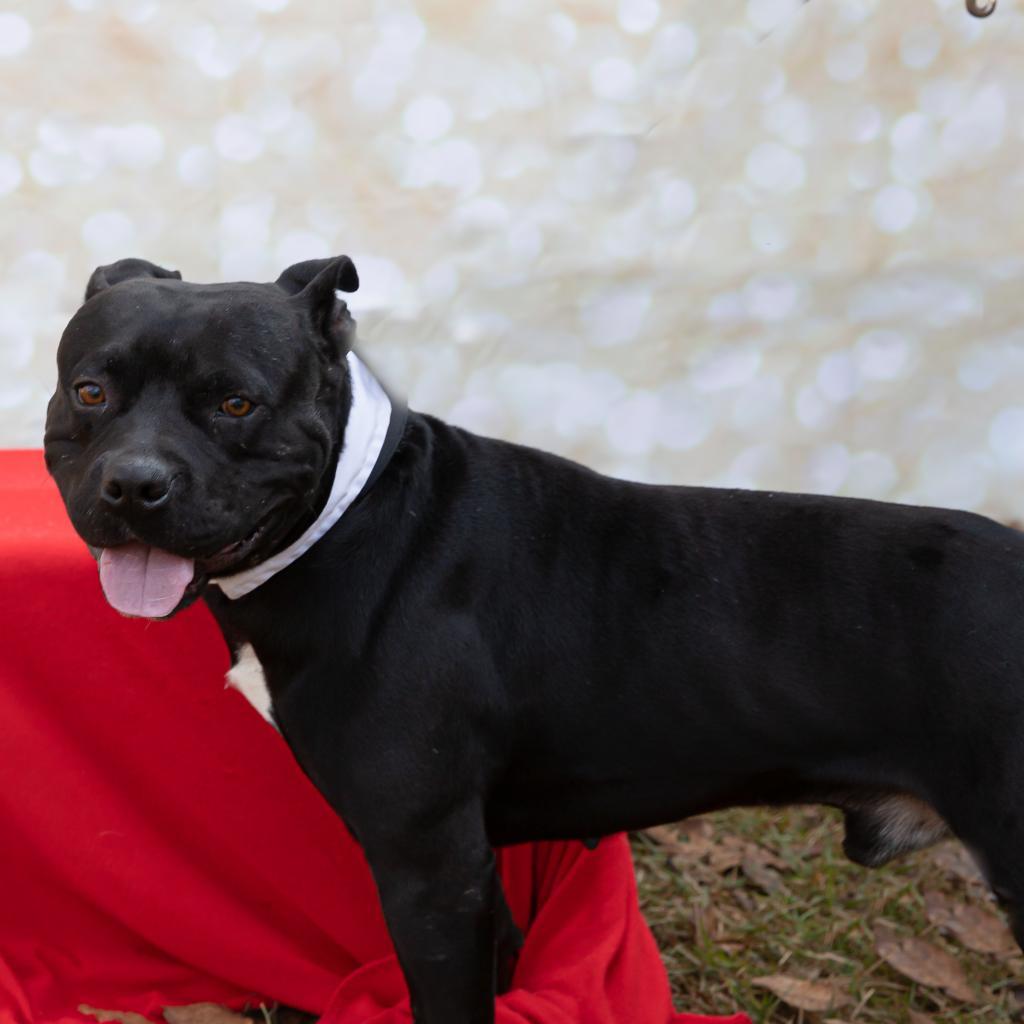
(760, 911)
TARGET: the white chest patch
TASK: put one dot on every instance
(246, 676)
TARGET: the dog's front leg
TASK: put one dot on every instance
(445, 911)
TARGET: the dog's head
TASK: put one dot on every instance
(193, 426)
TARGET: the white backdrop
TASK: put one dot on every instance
(742, 241)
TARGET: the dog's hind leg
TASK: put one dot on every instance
(998, 847)
(881, 828)
(1006, 876)
(986, 814)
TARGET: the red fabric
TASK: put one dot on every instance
(159, 846)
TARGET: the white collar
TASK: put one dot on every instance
(365, 431)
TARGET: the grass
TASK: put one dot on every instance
(756, 893)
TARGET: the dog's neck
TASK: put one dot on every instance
(371, 414)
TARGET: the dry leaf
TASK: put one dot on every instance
(666, 837)
(952, 858)
(766, 856)
(977, 929)
(203, 1013)
(727, 854)
(663, 835)
(696, 829)
(745, 900)
(923, 962)
(755, 865)
(691, 840)
(814, 996)
(119, 1016)
(920, 1018)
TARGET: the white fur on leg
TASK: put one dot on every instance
(246, 676)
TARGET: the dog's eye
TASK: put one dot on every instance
(90, 393)
(236, 406)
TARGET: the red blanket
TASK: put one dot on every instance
(158, 846)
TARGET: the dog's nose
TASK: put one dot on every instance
(137, 482)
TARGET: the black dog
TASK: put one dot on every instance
(494, 645)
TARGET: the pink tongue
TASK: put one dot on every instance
(144, 581)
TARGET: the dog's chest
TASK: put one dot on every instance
(246, 676)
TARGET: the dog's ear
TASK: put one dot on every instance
(318, 299)
(298, 275)
(114, 273)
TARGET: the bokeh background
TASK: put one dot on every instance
(747, 242)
